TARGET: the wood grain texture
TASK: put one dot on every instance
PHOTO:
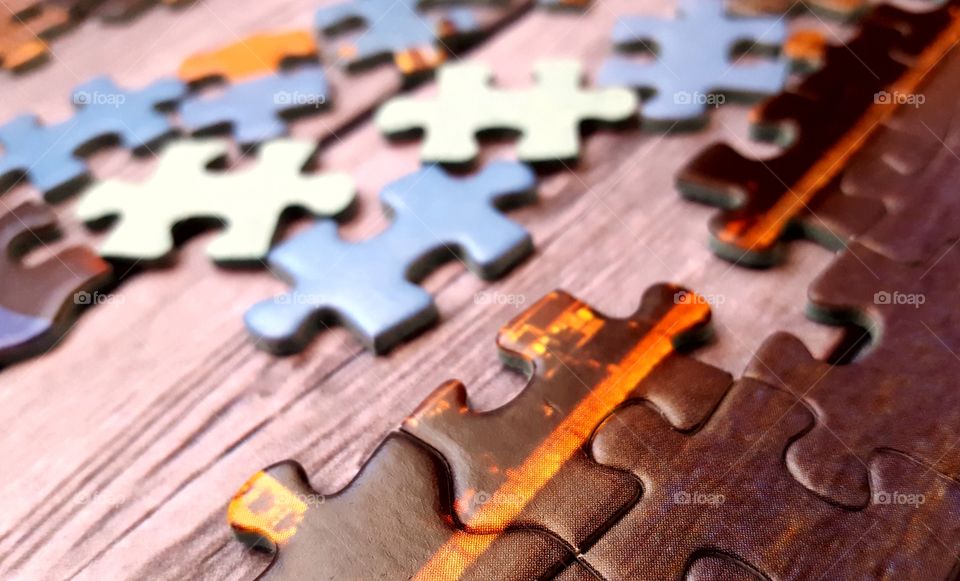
(124, 444)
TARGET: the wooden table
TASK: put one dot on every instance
(124, 444)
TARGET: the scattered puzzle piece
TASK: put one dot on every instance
(124, 10)
(249, 203)
(370, 285)
(24, 26)
(723, 491)
(523, 465)
(840, 9)
(260, 54)
(387, 524)
(694, 61)
(38, 303)
(255, 109)
(48, 154)
(830, 116)
(548, 117)
(393, 28)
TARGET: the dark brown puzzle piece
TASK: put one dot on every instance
(723, 491)
(392, 522)
(37, 303)
(525, 464)
(825, 119)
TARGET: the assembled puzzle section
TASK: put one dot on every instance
(695, 65)
(370, 286)
(248, 203)
(38, 303)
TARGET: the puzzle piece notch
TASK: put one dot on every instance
(257, 55)
(38, 303)
(370, 285)
(835, 109)
(24, 28)
(48, 154)
(723, 490)
(548, 117)
(394, 28)
(394, 517)
(523, 465)
(249, 203)
(687, 76)
(256, 109)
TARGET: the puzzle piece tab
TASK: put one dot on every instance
(255, 109)
(723, 491)
(249, 203)
(260, 54)
(371, 285)
(523, 465)
(694, 61)
(829, 117)
(548, 117)
(48, 154)
(394, 519)
(394, 28)
(24, 26)
(38, 303)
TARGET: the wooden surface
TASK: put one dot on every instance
(123, 445)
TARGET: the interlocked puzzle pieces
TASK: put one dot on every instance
(254, 108)
(260, 54)
(693, 61)
(249, 203)
(48, 154)
(548, 116)
(370, 285)
(833, 112)
(24, 24)
(394, 28)
(37, 303)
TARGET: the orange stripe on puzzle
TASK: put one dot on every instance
(266, 507)
(765, 231)
(523, 483)
(261, 54)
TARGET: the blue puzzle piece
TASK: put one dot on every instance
(693, 61)
(391, 27)
(254, 108)
(47, 154)
(371, 285)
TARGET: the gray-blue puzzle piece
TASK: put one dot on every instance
(17, 329)
(392, 27)
(693, 60)
(47, 154)
(370, 286)
(254, 108)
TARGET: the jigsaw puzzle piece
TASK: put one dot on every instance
(260, 54)
(370, 285)
(124, 10)
(839, 9)
(48, 154)
(548, 117)
(255, 109)
(393, 28)
(523, 465)
(248, 203)
(24, 26)
(395, 519)
(38, 303)
(688, 75)
(722, 490)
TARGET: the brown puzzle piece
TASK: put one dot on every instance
(24, 27)
(723, 491)
(525, 464)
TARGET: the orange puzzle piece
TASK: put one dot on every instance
(24, 24)
(252, 56)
